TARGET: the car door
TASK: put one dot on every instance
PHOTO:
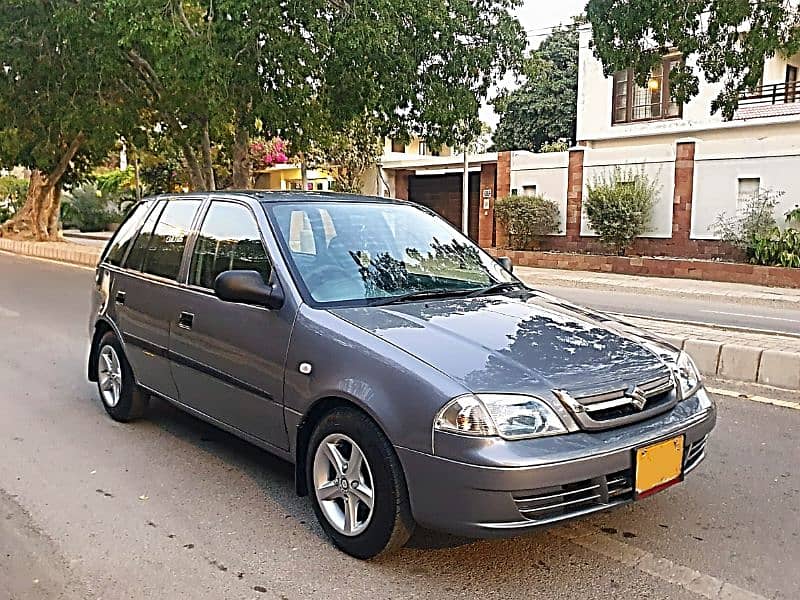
(146, 295)
(228, 358)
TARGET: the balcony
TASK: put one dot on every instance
(773, 100)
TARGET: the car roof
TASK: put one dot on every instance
(278, 196)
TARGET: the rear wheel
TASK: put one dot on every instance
(357, 485)
(121, 397)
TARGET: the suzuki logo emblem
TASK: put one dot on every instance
(638, 399)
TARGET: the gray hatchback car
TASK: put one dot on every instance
(408, 376)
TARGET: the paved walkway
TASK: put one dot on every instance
(661, 286)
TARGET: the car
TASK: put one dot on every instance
(410, 377)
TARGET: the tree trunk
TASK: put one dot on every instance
(242, 166)
(39, 217)
(208, 165)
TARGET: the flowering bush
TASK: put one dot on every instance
(268, 153)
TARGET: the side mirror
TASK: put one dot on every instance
(247, 287)
(506, 263)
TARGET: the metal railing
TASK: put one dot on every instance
(775, 93)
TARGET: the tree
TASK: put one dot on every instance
(543, 109)
(724, 40)
(60, 110)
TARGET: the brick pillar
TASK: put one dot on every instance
(684, 187)
(503, 189)
(401, 184)
(486, 216)
(574, 194)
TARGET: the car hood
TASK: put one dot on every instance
(513, 344)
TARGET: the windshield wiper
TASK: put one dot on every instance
(502, 286)
(419, 295)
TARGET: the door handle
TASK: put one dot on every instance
(120, 297)
(185, 320)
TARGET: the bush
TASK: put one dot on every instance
(777, 248)
(13, 191)
(526, 219)
(754, 220)
(619, 206)
(793, 216)
(85, 208)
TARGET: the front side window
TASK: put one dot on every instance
(359, 252)
(229, 240)
(165, 248)
(632, 102)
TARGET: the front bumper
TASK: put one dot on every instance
(552, 479)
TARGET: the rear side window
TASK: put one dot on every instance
(229, 240)
(139, 248)
(165, 250)
(125, 234)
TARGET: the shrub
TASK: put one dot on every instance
(12, 196)
(755, 219)
(527, 218)
(776, 248)
(85, 208)
(619, 206)
(793, 216)
(558, 146)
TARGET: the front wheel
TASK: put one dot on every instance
(357, 485)
(122, 398)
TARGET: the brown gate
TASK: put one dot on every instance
(442, 194)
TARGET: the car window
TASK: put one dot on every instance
(229, 240)
(165, 250)
(139, 248)
(125, 234)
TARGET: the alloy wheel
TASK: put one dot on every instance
(109, 376)
(343, 484)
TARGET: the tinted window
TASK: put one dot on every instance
(229, 240)
(165, 250)
(125, 233)
(139, 249)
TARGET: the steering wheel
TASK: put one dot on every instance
(323, 276)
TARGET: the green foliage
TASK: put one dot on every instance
(527, 219)
(725, 41)
(12, 195)
(87, 209)
(619, 206)
(776, 248)
(754, 219)
(543, 109)
(793, 215)
(560, 146)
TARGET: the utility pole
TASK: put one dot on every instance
(465, 195)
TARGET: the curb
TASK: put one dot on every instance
(60, 251)
(748, 364)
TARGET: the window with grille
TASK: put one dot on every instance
(632, 102)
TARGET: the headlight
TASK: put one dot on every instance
(510, 416)
(687, 374)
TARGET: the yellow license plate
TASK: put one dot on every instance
(658, 466)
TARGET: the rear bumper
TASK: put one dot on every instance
(487, 500)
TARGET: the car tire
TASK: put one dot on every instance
(386, 525)
(123, 400)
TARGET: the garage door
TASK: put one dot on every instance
(442, 194)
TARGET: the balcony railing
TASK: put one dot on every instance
(775, 93)
(776, 99)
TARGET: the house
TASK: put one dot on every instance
(704, 165)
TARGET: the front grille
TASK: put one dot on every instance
(622, 405)
(695, 454)
(573, 499)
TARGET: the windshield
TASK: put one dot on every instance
(357, 252)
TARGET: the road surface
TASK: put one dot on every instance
(170, 507)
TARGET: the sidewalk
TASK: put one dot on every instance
(662, 286)
(78, 254)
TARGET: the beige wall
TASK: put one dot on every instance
(548, 172)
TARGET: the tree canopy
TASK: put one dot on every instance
(725, 41)
(203, 77)
(543, 109)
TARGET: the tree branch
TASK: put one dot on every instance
(63, 164)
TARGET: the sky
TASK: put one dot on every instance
(538, 17)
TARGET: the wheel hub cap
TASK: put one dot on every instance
(109, 376)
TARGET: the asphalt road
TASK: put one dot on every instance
(171, 508)
(749, 316)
